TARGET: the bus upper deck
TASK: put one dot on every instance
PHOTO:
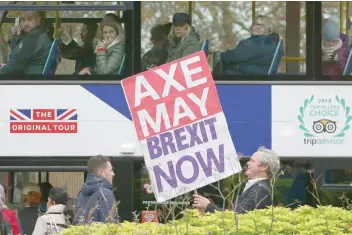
(222, 25)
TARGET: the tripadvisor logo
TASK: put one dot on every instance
(324, 120)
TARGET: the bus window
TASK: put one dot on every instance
(79, 48)
(337, 187)
(144, 198)
(226, 24)
(69, 181)
(71, 14)
(15, 182)
(336, 39)
(20, 179)
(291, 188)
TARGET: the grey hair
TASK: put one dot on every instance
(270, 158)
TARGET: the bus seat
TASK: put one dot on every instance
(276, 59)
(348, 67)
(205, 46)
(53, 59)
(123, 65)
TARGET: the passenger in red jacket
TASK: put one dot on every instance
(9, 217)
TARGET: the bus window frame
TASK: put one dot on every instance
(61, 7)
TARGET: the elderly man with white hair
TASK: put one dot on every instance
(262, 166)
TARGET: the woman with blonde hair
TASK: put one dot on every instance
(30, 212)
(183, 39)
(254, 54)
(109, 51)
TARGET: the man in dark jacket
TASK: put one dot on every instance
(29, 55)
(263, 165)
(95, 201)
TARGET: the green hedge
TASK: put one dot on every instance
(303, 221)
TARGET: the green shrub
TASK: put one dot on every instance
(303, 221)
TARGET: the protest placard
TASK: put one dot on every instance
(181, 126)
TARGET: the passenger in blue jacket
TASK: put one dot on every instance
(254, 54)
(96, 194)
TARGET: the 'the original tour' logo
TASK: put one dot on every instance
(324, 120)
(43, 121)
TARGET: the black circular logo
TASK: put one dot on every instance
(324, 125)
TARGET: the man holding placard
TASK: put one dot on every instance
(263, 165)
(181, 126)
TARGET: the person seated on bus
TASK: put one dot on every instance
(16, 32)
(29, 55)
(158, 54)
(183, 39)
(334, 49)
(30, 212)
(83, 55)
(254, 54)
(110, 50)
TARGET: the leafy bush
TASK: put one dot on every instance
(303, 221)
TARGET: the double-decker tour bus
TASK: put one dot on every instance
(53, 122)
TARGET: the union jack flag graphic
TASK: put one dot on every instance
(43, 121)
(33, 114)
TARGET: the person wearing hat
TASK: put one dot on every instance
(29, 214)
(334, 48)
(183, 39)
(158, 54)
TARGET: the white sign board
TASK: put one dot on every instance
(181, 126)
